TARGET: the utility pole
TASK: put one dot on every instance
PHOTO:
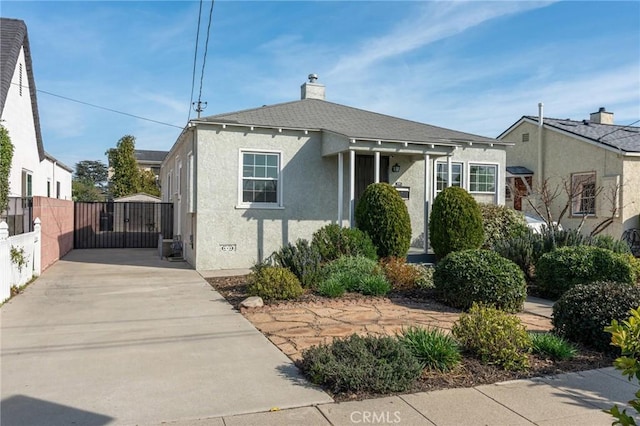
(199, 107)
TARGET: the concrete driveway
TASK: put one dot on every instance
(120, 337)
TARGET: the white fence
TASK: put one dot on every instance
(19, 258)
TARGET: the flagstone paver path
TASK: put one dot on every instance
(297, 326)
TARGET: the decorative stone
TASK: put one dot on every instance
(252, 302)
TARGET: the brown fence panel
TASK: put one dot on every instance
(122, 225)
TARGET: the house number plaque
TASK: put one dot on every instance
(228, 247)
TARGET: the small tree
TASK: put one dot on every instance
(455, 222)
(382, 213)
(89, 181)
(6, 156)
(148, 183)
(126, 176)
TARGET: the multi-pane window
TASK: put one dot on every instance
(482, 178)
(441, 175)
(260, 177)
(27, 184)
(583, 186)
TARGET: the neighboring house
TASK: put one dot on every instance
(139, 197)
(33, 171)
(150, 160)
(597, 160)
(245, 183)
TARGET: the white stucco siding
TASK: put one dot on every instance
(50, 174)
(232, 236)
(630, 194)
(17, 118)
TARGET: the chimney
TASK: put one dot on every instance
(311, 89)
(601, 117)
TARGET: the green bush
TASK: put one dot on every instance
(583, 312)
(455, 223)
(610, 243)
(333, 242)
(383, 215)
(561, 269)
(432, 347)
(469, 276)
(332, 286)
(274, 282)
(552, 346)
(494, 336)
(425, 279)
(351, 271)
(375, 285)
(523, 250)
(361, 364)
(501, 223)
(302, 259)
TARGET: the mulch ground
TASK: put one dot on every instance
(471, 372)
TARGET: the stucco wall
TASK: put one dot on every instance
(564, 155)
(51, 172)
(56, 218)
(17, 118)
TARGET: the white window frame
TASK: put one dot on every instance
(576, 202)
(496, 189)
(242, 204)
(27, 177)
(169, 183)
(190, 206)
(436, 191)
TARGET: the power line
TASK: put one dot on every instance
(621, 128)
(204, 59)
(195, 60)
(106, 109)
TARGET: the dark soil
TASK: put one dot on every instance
(471, 372)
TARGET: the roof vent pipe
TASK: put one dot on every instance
(540, 115)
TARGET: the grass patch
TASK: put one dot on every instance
(432, 347)
(552, 346)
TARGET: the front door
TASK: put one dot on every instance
(365, 172)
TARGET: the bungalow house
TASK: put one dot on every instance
(34, 172)
(247, 182)
(593, 164)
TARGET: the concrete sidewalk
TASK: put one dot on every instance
(121, 337)
(567, 399)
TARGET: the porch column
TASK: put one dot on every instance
(352, 187)
(376, 176)
(340, 188)
(427, 196)
(449, 177)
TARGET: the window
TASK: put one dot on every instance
(525, 137)
(169, 197)
(48, 187)
(57, 189)
(482, 178)
(583, 187)
(441, 175)
(27, 184)
(190, 204)
(260, 178)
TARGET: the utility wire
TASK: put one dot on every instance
(195, 60)
(206, 47)
(621, 128)
(106, 109)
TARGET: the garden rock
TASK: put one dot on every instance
(252, 302)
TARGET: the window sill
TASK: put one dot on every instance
(580, 216)
(258, 207)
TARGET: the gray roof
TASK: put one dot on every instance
(625, 138)
(519, 170)
(151, 156)
(13, 36)
(316, 114)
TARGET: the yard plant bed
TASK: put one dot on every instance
(310, 320)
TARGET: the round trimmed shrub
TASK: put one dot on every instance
(563, 268)
(382, 214)
(501, 223)
(468, 276)
(455, 222)
(583, 312)
(274, 282)
(332, 242)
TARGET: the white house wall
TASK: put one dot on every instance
(17, 118)
(51, 172)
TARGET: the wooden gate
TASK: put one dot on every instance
(121, 225)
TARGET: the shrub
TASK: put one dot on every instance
(361, 364)
(465, 277)
(523, 250)
(333, 242)
(634, 262)
(610, 243)
(626, 336)
(375, 285)
(495, 336)
(455, 222)
(382, 214)
(552, 346)
(351, 271)
(561, 269)
(401, 275)
(302, 259)
(583, 312)
(274, 282)
(425, 280)
(432, 347)
(332, 286)
(501, 223)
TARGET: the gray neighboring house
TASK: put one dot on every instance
(150, 160)
(245, 183)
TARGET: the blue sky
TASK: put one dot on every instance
(471, 66)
